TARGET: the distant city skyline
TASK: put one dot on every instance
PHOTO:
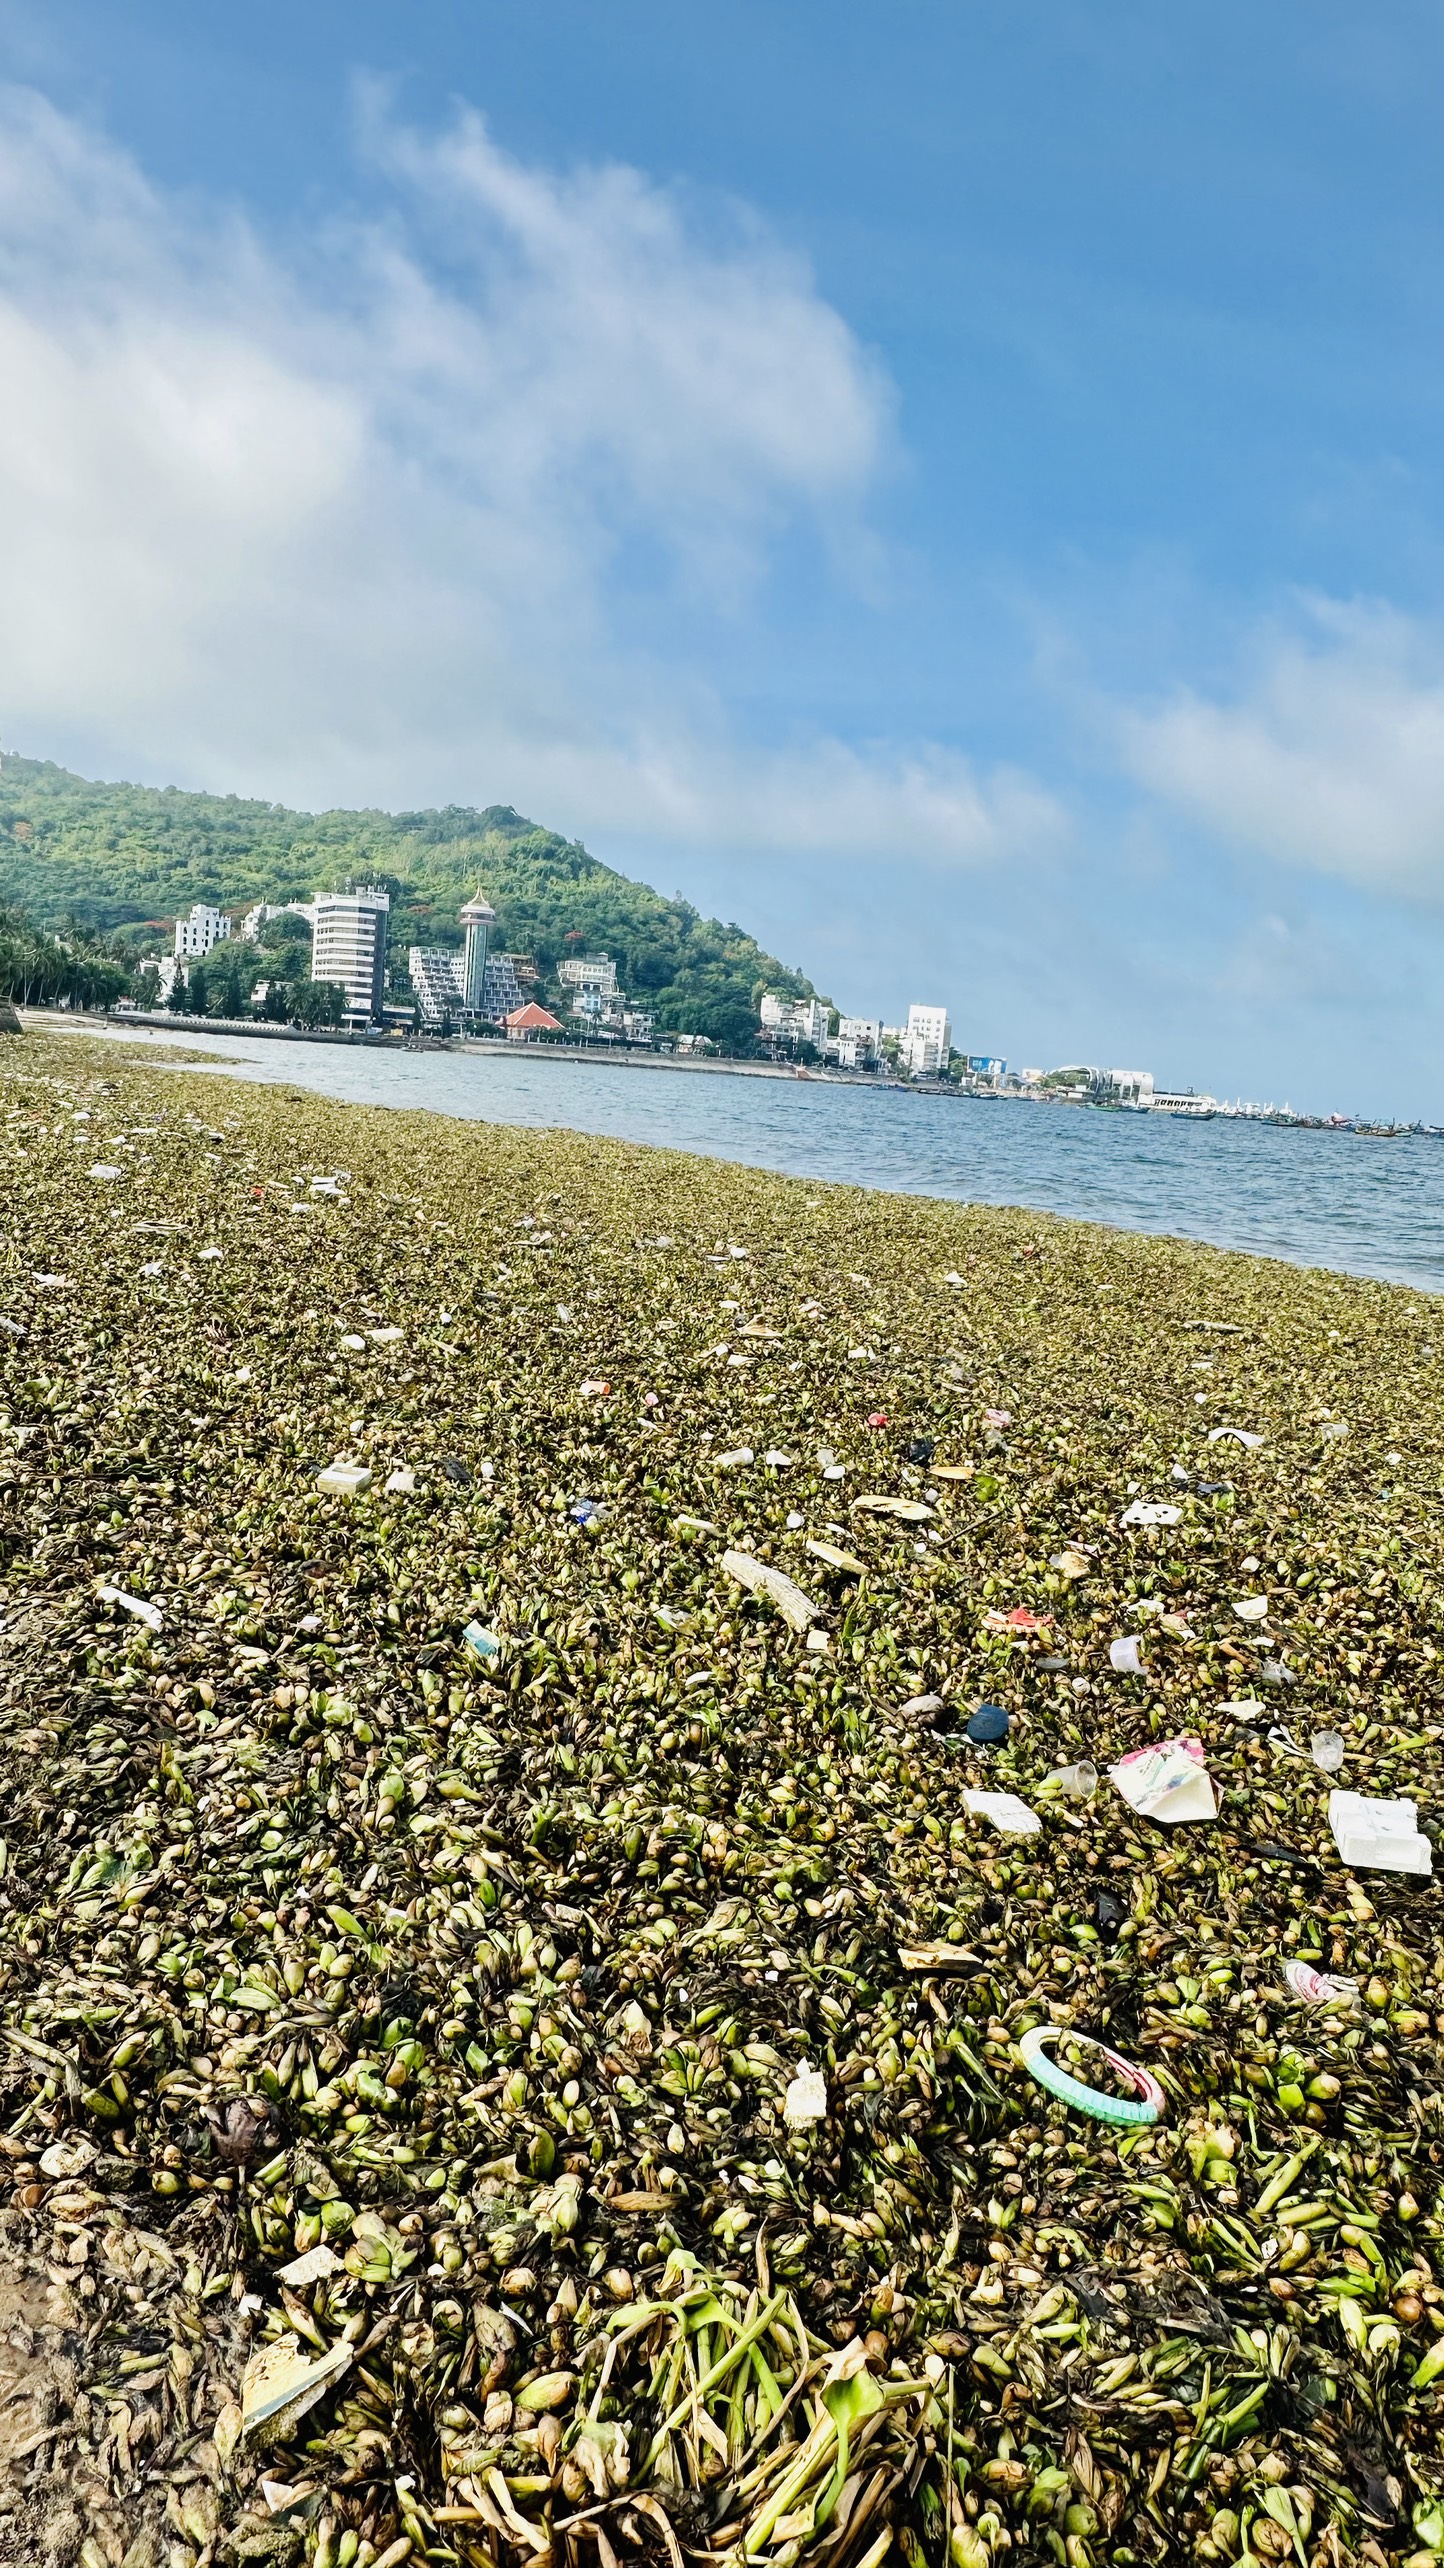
(959, 494)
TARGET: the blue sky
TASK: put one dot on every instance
(956, 488)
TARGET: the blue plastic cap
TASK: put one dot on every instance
(988, 1724)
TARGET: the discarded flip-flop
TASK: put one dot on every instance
(1086, 2099)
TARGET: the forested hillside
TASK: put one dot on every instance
(127, 859)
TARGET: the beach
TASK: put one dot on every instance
(504, 1924)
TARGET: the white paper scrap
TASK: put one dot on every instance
(806, 2098)
(1007, 1813)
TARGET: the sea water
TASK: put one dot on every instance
(1365, 1206)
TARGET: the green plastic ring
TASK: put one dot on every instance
(1086, 2099)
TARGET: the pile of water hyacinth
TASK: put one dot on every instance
(513, 2031)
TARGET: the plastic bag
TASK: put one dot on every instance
(1169, 1782)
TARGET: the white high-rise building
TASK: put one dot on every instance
(349, 946)
(195, 936)
(478, 918)
(927, 1041)
(501, 991)
(436, 979)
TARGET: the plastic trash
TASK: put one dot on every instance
(834, 1557)
(1317, 1989)
(908, 1511)
(1147, 1512)
(280, 2383)
(1019, 1618)
(202, 1254)
(806, 2099)
(1379, 1836)
(1326, 1747)
(922, 1707)
(776, 1459)
(1071, 1563)
(344, 1479)
(1123, 1656)
(150, 1615)
(400, 1482)
(595, 1390)
(356, 1344)
(817, 1639)
(386, 1337)
(102, 1171)
(1251, 1609)
(997, 1417)
(1102, 2108)
(481, 1643)
(1239, 1435)
(1246, 1708)
(988, 1725)
(794, 1522)
(1169, 1782)
(734, 1461)
(1076, 1782)
(786, 1595)
(1010, 1816)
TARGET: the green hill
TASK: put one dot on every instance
(125, 860)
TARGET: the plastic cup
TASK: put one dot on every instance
(1078, 1782)
(1327, 1750)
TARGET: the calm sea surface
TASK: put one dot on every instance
(1317, 1198)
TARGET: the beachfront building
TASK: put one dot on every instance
(436, 982)
(195, 936)
(1120, 1087)
(927, 1041)
(794, 1020)
(857, 1044)
(531, 1020)
(592, 980)
(501, 990)
(348, 945)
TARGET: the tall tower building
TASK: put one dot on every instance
(348, 945)
(478, 918)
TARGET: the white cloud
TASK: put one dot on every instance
(1333, 758)
(381, 516)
